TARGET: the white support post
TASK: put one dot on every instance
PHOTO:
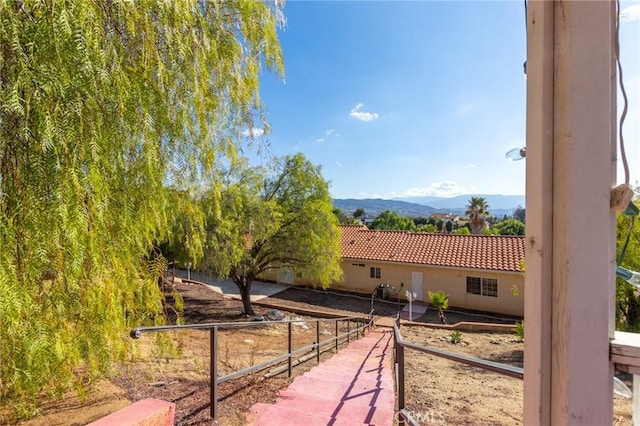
(538, 246)
(569, 283)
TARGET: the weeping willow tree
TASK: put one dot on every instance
(107, 109)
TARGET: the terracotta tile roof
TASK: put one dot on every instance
(502, 253)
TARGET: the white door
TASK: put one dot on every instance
(416, 285)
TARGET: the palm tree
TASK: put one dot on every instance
(440, 301)
(477, 210)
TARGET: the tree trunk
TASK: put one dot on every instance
(244, 285)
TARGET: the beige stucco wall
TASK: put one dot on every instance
(452, 281)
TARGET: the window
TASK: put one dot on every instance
(482, 286)
(473, 285)
(490, 287)
(375, 272)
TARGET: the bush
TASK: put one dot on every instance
(520, 330)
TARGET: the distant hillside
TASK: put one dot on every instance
(499, 205)
(373, 207)
(495, 201)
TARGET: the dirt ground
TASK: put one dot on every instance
(438, 391)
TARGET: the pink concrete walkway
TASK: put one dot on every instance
(354, 387)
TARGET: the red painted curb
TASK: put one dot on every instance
(147, 412)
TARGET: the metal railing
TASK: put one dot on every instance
(400, 345)
(366, 322)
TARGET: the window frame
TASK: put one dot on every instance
(374, 272)
(482, 286)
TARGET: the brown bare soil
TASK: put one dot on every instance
(438, 391)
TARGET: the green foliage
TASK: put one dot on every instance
(627, 298)
(420, 220)
(456, 337)
(103, 105)
(440, 301)
(477, 211)
(344, 218)
(509, 226)
(490, 231)
(390, 220)
(427, 228)
(359, 213)
(280, 219)
(519, 213)
(516, 291)
(462, 231)
(448, 226)
(519, 330)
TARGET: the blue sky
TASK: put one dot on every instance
(397, 99)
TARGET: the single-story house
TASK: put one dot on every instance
(478, 272)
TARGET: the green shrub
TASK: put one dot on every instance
(440, 301)
(519, 330)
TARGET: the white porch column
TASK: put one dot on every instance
(569, 283)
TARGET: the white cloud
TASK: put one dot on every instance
(630, 14)
(471, 166)
(327, 135)
(445, 188)
(253, 132)
(339, 164)
(361, 115)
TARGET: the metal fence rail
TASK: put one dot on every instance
(365, 321)
(400, 345)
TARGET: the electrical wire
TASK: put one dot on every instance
(623, 116)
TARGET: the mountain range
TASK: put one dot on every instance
(499, 205)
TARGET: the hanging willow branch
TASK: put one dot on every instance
(107, 109)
